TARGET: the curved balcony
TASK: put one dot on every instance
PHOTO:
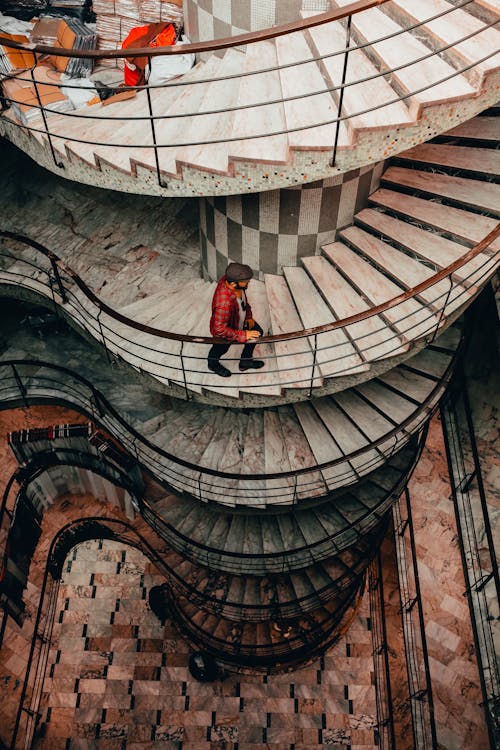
(394, 280)
(292, 104)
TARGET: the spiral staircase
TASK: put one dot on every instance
(272, 489)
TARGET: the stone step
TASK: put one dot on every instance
(447, 30)
(303, 115)
(294, 356)
(423, 244)
(460, 190)
(360, 97)
(335, 352)
(476, 129)
(434, 79)
(484, 161)
(401, 268)
(371, 337)
(219, 95)
(256, 89)
(377, 289)
(458, 223)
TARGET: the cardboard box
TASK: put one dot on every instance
(18, 59)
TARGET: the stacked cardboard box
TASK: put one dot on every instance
(26, 97)
(116, 18)
(72, 34)
(13, 59)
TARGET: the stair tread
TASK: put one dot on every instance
(301, 79)
(219, 94)
(423, 243)
(473, 193)
(332, 345)
(484, 160)
(451, 27)
(370, 335)
(378, 289)
(296, 352)
(276, 454)
(357, 97)
(349, 435)
(401, 268)
(255, 89)
(394, 406)
(300, 454)
(477, 128)
(403, 49)
(458, 222)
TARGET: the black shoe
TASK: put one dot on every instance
(219, 369)
(251, 364)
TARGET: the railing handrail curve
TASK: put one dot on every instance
(449, 270)
(208, 46)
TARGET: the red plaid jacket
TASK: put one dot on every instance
(225, 319)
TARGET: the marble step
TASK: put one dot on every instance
(485, 161)
(477, 129)
(460, 190)
(358, 97)
(434, 79)
(335, 352)
(288, 540)
(404, 321)
(303, 115)
(458, 223)
(370, 336)
(294, 356)
(253, 119)
(401, 268)
(219, 95)
(421, 243)
(448, 30)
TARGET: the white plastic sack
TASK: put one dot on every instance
(165, 67)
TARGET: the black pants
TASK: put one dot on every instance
(217, 350)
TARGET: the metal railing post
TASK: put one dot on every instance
(57, 276)
(341, 95)
(184, 372)
(315, 353)
(58, 164)
(161, 183)
(441, 314)
(108, 356)
(20, 384)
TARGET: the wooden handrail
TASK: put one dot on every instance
(208, 46)
(370, 312)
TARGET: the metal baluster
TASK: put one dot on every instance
(184, 372)
(57, 276)
(44, 118)
(20, 384)
(341, 95)
(103, 337)
(161, 183)
(441, 315)
(313, 364)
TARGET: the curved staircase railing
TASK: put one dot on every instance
(19, 381)
(179, 360)
(57, 137)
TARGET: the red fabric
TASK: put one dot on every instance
(225, 314)
(165, 38)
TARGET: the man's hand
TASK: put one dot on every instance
(252, 335)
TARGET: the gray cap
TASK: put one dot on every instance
(238, 272)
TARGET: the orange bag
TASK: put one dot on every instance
(151, 35)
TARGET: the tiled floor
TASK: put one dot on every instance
(116, 674)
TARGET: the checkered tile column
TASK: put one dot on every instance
(277, 228)
(213, 19)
